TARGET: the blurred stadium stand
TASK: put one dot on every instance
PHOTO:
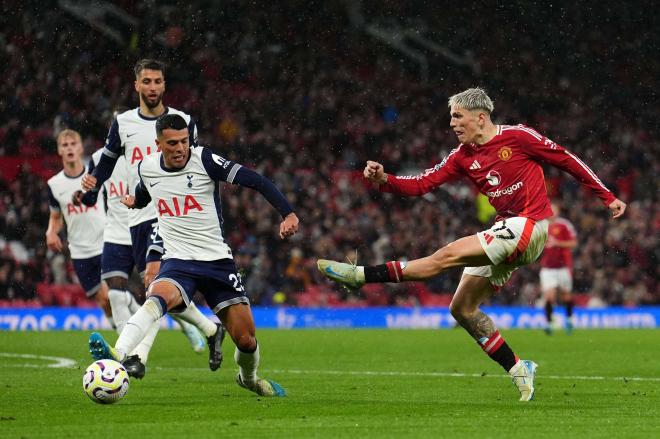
(305, 93)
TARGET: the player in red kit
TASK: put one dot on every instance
(557, 267)
(504, 163)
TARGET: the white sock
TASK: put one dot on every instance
(359, 273)
(137, 327)
(119, 302)
(142, 350)
(247, 365)
(515, 368)
(182, 323)
(194, 316)
(133, 306)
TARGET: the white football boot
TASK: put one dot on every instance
(522, 375)
(341, 272)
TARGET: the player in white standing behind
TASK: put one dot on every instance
(556, 274)
(132, 136)
(183, 183)
(84, 224)
(504, 163)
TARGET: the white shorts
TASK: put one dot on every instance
(509, 244)
(556, 278)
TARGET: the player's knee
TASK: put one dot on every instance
(461, 311)
(246, 342)
(456, 311)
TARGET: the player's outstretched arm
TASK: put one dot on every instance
(221, 169)
(617, 207)
(249, 178)
(415, 185)
(375, 173)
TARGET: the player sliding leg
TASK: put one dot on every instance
(475, 286)
(190, 319)
(135, 363)
(164, 295)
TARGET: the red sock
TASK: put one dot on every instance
(394, 271)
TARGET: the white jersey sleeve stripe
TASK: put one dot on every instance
(531, 132)
(232, 173)
(589, 171)
(109, 153)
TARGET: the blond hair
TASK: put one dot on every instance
(472, 99)
(68, 133)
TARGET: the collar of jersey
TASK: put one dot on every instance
(73, 178)
(162, 164)
(167, 110)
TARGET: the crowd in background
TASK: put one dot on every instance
(303, 95)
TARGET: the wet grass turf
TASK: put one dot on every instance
(345, 383)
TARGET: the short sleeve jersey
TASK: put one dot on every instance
(188, 205)
(84, 225)
(134, 136)
(116, 228)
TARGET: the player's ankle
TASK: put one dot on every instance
(389, 272)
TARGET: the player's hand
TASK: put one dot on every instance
(150, 272)
(53, 242)
(289, 226)
(617, 207)
(76, 198)
(551, 242)
(128, 201)
(88, 182)
(375, 173)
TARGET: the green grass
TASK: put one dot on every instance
(345, 383)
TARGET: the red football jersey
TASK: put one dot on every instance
(557, 257)
(507, 169)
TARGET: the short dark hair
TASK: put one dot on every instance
(170, 121)
(149, 63)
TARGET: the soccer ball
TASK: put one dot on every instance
(105, 381)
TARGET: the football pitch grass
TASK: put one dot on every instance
(343, 383)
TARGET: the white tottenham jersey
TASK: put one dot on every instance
(188, 204)
(116, 223)
(134, 136)
(84, 225)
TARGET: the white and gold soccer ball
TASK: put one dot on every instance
(105, 381)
